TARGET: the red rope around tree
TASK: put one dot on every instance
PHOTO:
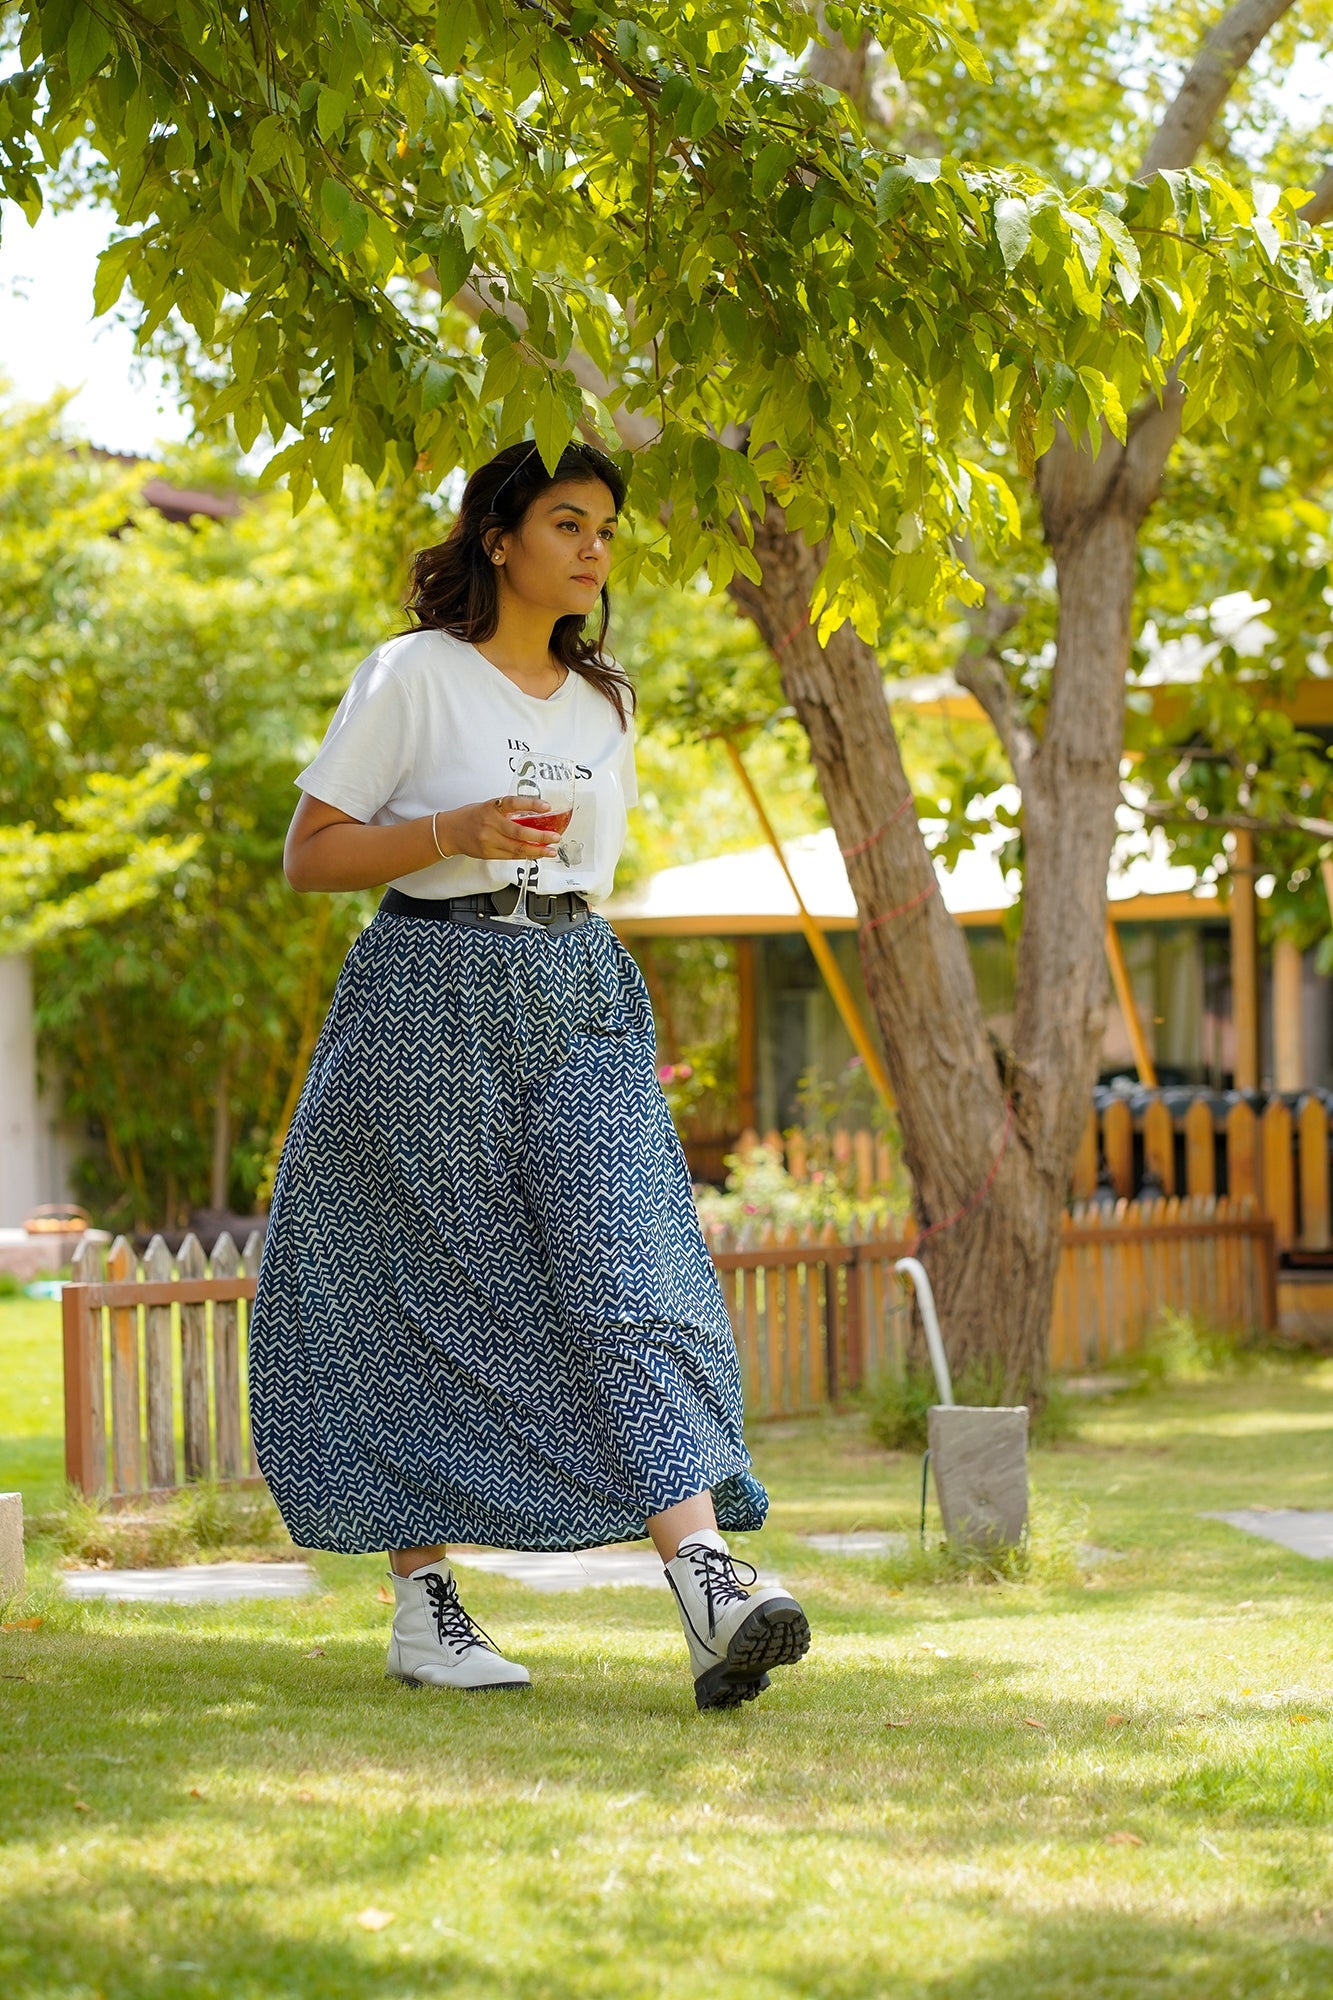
(974, 1201)
(880, 831)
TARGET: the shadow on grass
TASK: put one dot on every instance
(567, 1947)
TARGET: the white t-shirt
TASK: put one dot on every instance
(429, 724)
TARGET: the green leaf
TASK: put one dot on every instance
(891, 192)
(452, 260)
(705, 118)
(455, 26)
(437, 384)
(88, 46)
(705, 461)
(552, 424)
(335, 200)
(1013, 229)
(112, 268)
(771, 165)
(331, 110)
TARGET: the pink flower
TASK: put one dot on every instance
(665, 1073)
(683, 1070)
(748, 1208)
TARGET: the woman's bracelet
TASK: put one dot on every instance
(435, 836)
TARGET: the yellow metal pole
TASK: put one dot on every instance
(1124, 994)
(841, 993)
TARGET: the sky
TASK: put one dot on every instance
(49, 340)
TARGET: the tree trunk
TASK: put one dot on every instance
(987, 1202)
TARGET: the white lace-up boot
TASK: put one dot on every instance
(734, 1634)
(435, 1644)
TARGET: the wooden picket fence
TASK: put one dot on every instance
(162, 1356)
(154, 1362)
(815, 1321)
(1277, 1158)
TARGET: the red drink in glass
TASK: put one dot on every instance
(545, 822)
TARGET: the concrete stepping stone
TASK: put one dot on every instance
(1307, 1532)
(193, 1583)
(574, 1569)
(861, 1542)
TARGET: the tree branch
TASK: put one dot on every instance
(981, 671)
(476, 297)
(1225, 52)
(1319, 829)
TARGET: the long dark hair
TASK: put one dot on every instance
(454, 586)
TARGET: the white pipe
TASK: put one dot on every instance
(930, 1320)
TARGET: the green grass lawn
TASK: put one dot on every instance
(1103, 1783)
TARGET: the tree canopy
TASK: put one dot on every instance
(662, 221)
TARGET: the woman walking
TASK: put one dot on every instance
(486, 1312)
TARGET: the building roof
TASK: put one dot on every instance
(732, 894)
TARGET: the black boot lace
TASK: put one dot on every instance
(716, 1570)
(455, 1628)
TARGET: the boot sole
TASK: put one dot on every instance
(483, 1687)
(776, 1634)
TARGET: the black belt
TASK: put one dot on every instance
(554, 913)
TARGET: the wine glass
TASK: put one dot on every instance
(547, 787)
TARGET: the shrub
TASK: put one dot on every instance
(1179, 1348)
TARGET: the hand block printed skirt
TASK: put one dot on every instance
(486, 1312)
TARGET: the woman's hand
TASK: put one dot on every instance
(328, 849)
(487, 833)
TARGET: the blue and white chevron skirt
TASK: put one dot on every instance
(486, 1312)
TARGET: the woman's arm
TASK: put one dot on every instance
(328, 849)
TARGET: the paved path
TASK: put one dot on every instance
(196, 1583)
(1307, 1532)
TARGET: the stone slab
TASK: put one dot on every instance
(574, 1569)
(193, 1583)
(861, 1542)
(11, 1544)
(1305, 1532)
(979, 1458)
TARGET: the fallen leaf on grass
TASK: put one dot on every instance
(384, 1595)
(1246, 1604)
(21, 1625)
(1114, 1721)
(305, 1798)
(1031, 1722)
(1124, 1839)
(939, 1651)
(79, 1806)
(195, 1792)
(1298, 1718)
(317, 1653)
(896, 1725)
(373, 1919)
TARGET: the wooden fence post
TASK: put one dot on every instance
(85, 1377)
(1118, 1145)
(1279, 1181)
(126, 1444)
(194, 1367)
(1313, 1128)
(1159, 1144)
(157, 1372)
(1243, 1177)
(1200, 1149)
(226, 1365)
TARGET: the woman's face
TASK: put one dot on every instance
(559, 556)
